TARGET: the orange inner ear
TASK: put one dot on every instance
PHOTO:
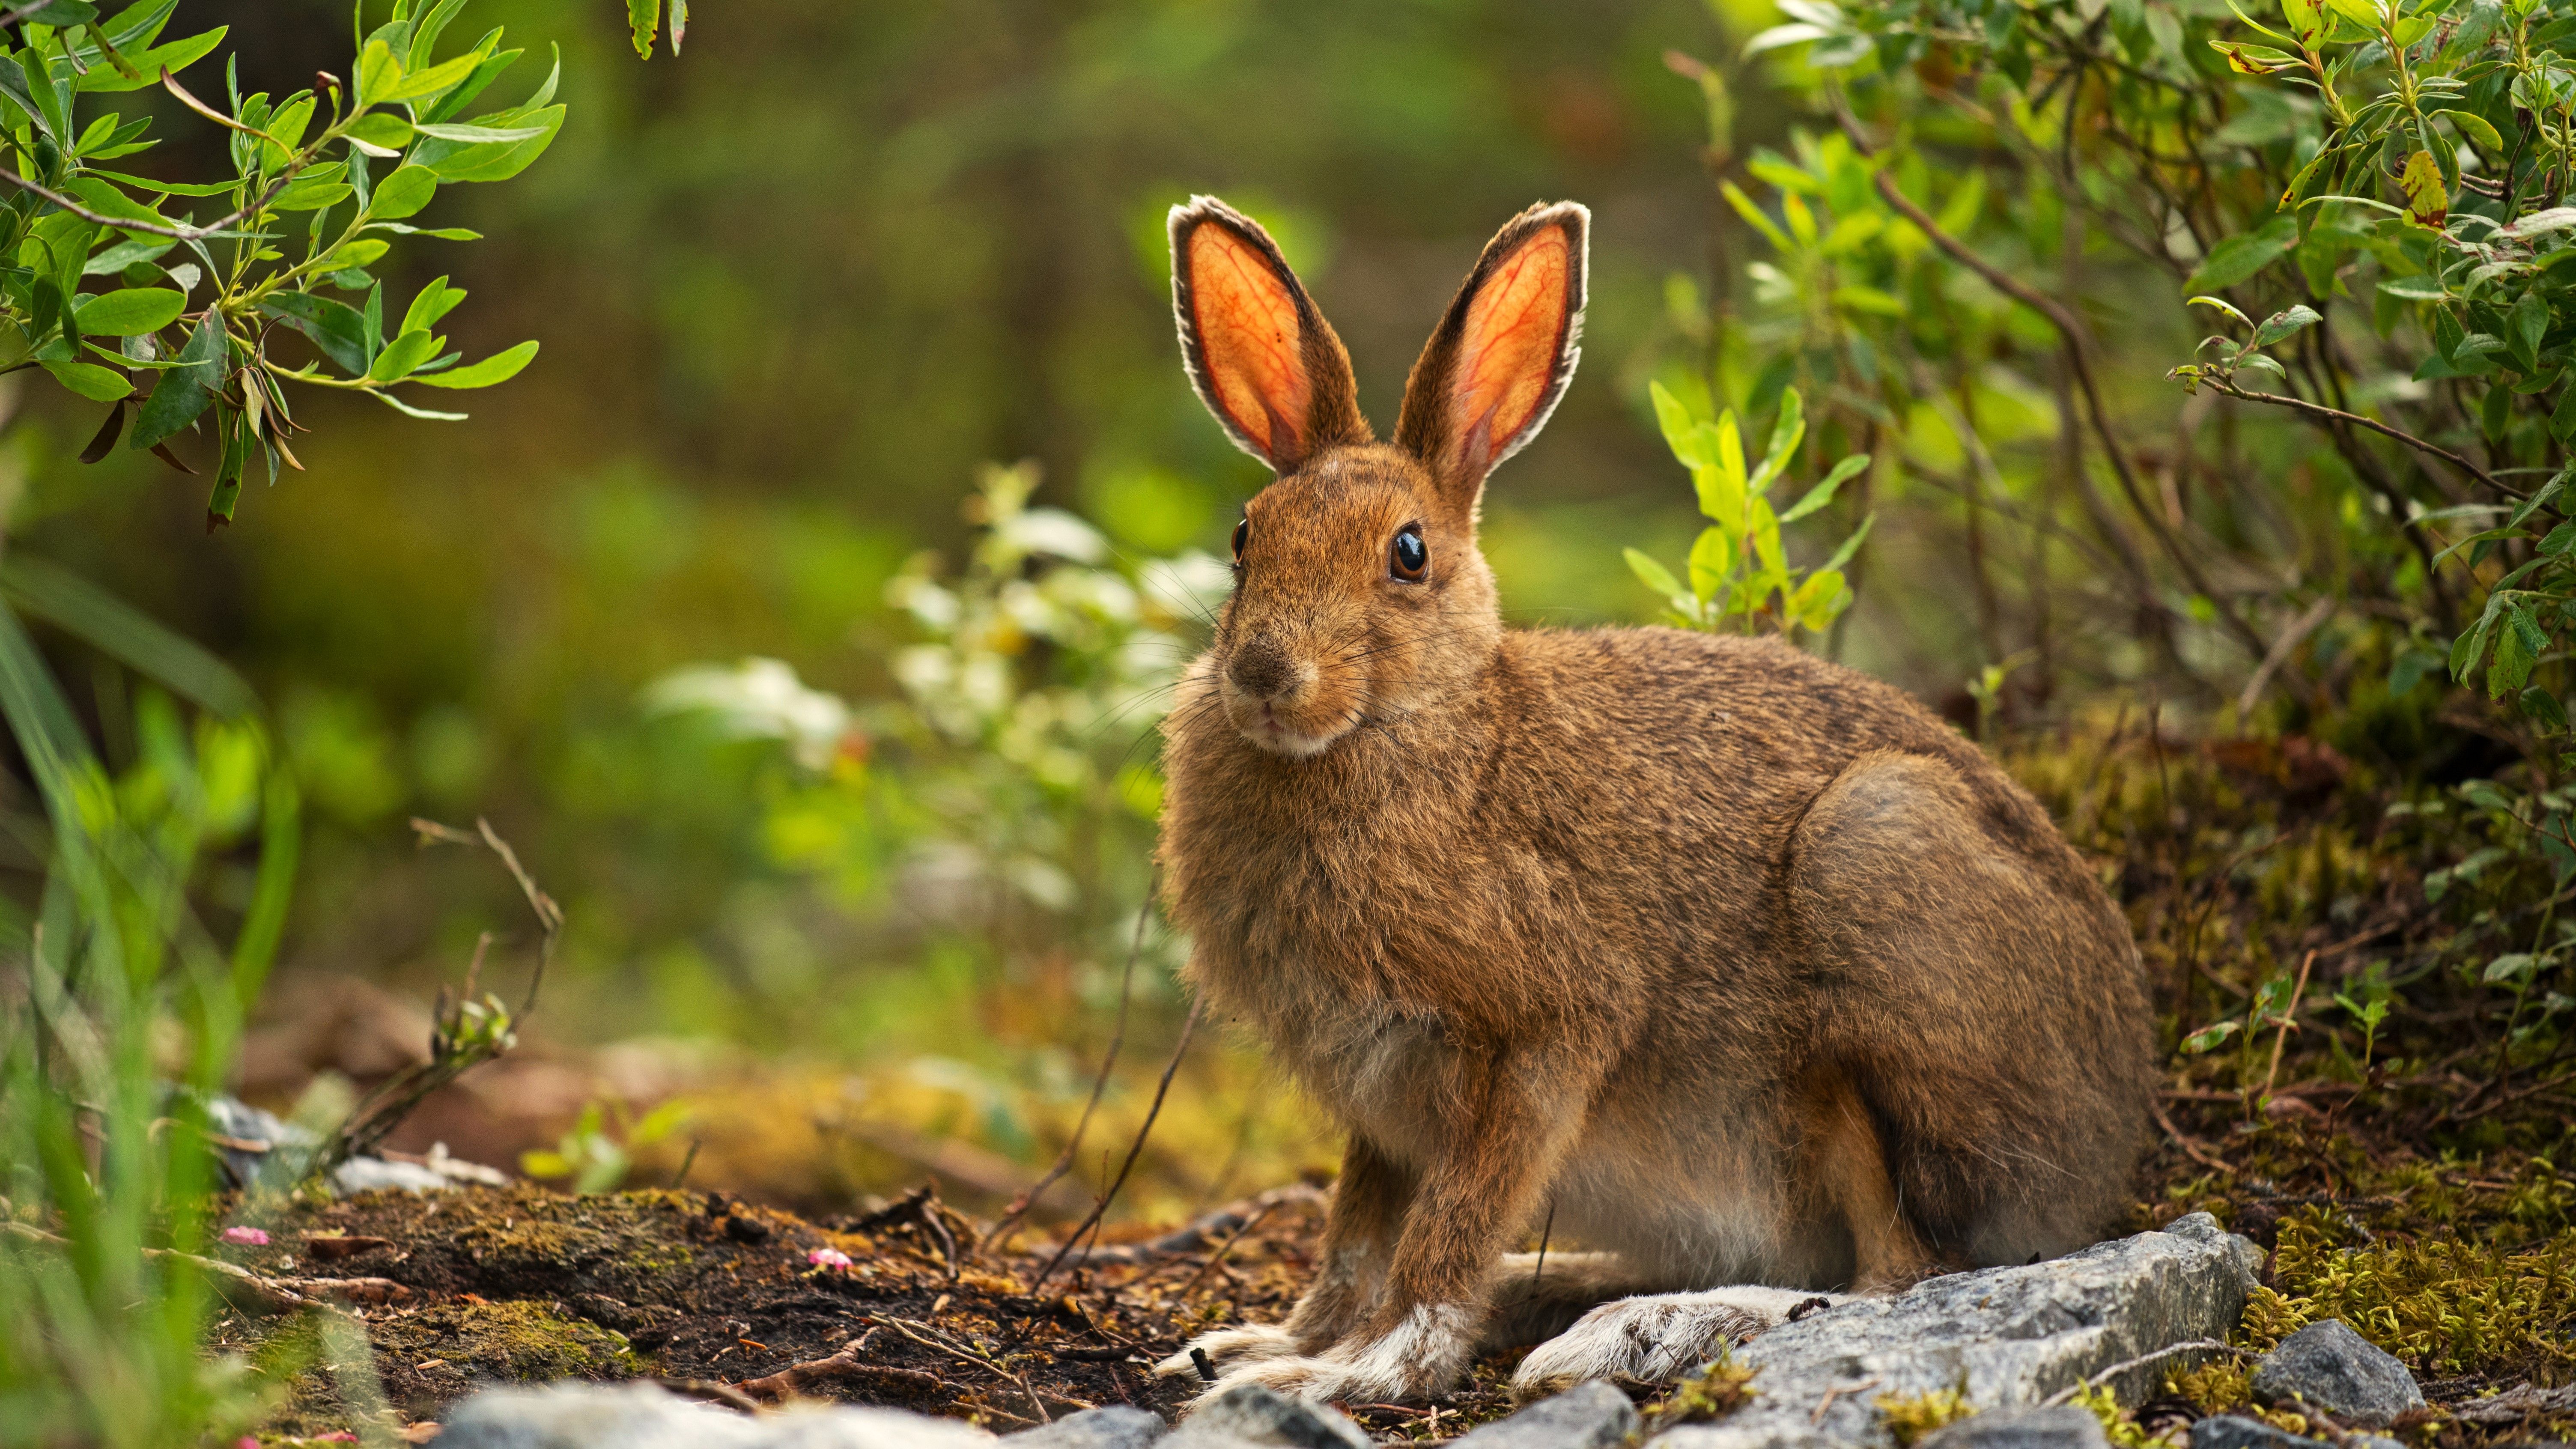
(1247, 325)
(1515, 329)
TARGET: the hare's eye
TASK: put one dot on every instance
(1242, 536)
(1408, 556)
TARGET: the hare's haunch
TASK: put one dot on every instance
(1746, 971)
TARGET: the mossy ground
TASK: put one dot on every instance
(2411, 1185)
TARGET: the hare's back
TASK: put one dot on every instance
(1733, 735)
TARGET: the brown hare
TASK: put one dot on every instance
(1733, 966)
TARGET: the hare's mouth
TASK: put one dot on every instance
(1280, 735)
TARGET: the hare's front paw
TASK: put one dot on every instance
(1251, 1343)
(1421, 1356)
(1656, 1338)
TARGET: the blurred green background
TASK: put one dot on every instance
(794, 286)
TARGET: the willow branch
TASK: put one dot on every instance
(2301, 404)
(2072, 328)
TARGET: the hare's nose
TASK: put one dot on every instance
(1261, 669)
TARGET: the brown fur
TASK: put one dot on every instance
(1743, 963)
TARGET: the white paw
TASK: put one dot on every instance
(1422, 1356)
(1656, 1339)
(1252, 1342)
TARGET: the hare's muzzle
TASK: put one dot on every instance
(1262, 670)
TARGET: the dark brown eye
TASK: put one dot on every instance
(1242, 536)
(1408, 556)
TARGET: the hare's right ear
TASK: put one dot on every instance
(1262, 358)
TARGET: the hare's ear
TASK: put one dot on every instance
(1503, 354)
(1262, 358)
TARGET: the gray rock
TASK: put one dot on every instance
(2062, 1426)
(641, 1416)
(2335, 1369)
(2230, 1431)
(2009, 1336)
(1590, 1416)
(1115, 1427)
(1252, 1414)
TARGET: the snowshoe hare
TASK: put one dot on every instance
(1727, 963)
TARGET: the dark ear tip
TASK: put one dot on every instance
(1189, 215)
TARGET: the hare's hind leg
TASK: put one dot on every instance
(1657, 1338)
(1531, 1297)
(1981, 1023)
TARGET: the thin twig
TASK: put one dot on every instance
(2072, 328)
(2339, 415)
(1019, 1206)
(2289, 1019)
(1161, 1089)
(2197, 1345)
(1219, 1255)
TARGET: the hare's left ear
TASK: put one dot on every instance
(1503, 354)
(1262, 358)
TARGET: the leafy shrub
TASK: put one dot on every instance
(184, 327)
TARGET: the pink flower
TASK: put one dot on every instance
(829, 1258)
(246, 1237)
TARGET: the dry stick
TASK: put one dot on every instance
(2197, 1345)
(2070, 327)
(1134, 1149)
(1117, 1039)
(2289, 1017)
(1222, 1249)
(2279, 654)
(2190, 1145)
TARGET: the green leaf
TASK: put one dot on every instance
(2530, 321)
(2476, 128)
(1653, 575)
(186, 390)
(418, 84)
(402, 355)
(379, 71)
(1712, 558)
(403, 193)
(99, 384)
(1818, 600)
(2509, 967)
(1680, 429)
(477, 134)
(335, 327)
(1851, 545)
(643, 19)
(383, 130)
(2242, 255)
(491, 161)
(1786, 433)
(1823, 493)
(2542, 708)
(2209, 1036)
(498, 368)
(2284, 323)
(130, 312)
(175, 57)
(2518, 647)
(431, 303)
(14, 88)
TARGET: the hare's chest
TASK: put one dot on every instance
(1377, 1072)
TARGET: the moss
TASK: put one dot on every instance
(1909, 1420)
(1717, 1390)
(518, 1340)
(2450, 1305)
(2122, 1430)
